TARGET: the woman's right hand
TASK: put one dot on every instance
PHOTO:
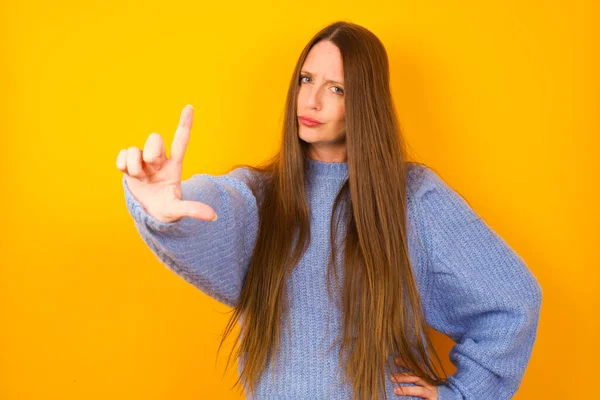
(155, 181)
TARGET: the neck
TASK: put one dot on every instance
(327, 154)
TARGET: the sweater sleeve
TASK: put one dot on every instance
(480, 293)
(213, 256)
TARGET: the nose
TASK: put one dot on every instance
(313, 100)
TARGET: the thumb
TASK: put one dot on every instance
(194, 209)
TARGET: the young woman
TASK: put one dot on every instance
(338, 253)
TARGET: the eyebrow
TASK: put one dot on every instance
(329, 80)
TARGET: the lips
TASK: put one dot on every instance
(309, 121)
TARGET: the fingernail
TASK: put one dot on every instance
(215, 218)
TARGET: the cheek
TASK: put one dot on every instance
(300, 99)
(341, 114)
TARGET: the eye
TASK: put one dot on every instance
(340, 90)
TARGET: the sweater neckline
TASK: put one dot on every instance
(323, 169)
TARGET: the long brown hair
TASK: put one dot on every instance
(379, 298)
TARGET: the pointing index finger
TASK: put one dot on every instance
(182, 134)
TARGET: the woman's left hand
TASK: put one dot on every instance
(424, 389)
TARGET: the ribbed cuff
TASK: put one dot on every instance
(446, 393)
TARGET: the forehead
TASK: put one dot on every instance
(325, 58)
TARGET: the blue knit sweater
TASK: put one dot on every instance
(474, 287)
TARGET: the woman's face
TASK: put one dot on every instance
(321, 97)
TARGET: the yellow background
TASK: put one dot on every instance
(500, 98)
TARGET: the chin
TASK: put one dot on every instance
(309, 137)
